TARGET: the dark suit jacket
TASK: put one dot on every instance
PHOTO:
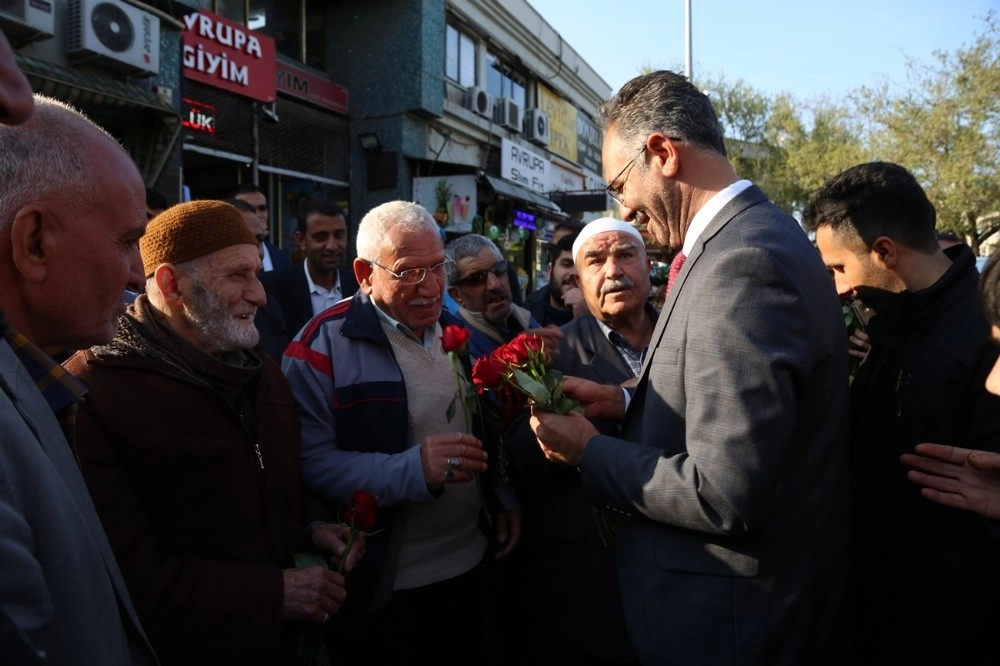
(560, 542)
(733, 459)
(290, 306)
(61, 591)
(279, 258)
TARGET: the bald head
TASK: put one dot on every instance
(72, 210)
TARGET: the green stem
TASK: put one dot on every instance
(347, 549)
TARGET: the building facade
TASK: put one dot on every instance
(475, 108)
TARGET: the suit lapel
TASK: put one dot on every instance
(745, 199)
(605, 359)
(301, 298)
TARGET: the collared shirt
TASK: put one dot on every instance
(430, 339)
(321, 298)
(629, 354)
(61, 390)
(709, 211)
(266, 263)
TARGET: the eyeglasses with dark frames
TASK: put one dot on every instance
(615, 187)
(414, 275)
(477, 278)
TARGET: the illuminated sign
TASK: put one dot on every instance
(224, 54)
(524, 219)
(197, 116)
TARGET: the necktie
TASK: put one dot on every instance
(675, 268)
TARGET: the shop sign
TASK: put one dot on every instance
(224, 54)
(562, 123)
(197, 116)
(524, 166)
(450, 199)
(524, 219)
(563, 179)
(297, 82)
(589, 141)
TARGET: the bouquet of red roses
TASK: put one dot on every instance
(519, 370)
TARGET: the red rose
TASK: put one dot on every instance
(487, 373)
(454, 338)
(520, 347)
(536, 345)
(360, 511)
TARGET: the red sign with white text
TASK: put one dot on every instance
(298, 82)
(227, 55)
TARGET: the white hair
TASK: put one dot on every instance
(406, 216)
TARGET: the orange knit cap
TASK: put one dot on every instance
(191, 230)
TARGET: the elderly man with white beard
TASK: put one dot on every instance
(189, 445)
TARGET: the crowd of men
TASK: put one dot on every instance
(174, 492)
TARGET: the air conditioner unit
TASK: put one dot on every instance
(479, 101)
(536, 127)
(25, 21)
(115, 34)
(508, 113)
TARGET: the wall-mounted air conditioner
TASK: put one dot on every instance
(536, 127)
(479, 101)
(115, 34)
(508, 113)
(25, 21)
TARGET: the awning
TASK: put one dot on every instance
(582, 200)
(81, 89)
(89, 91)
(509, 190)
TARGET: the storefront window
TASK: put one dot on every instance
(234, 10)
(281, 20)
(460, 57)
(316, 34)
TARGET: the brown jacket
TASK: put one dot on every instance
(201, 529)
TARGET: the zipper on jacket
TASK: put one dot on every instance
(260, 457)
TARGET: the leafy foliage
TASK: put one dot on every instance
(943, 124)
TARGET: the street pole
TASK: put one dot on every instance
(687, 39)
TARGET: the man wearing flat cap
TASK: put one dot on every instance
(189, 446)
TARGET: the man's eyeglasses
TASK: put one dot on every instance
(615, 187)
(414, 275)
(260, 209)
(477, 278)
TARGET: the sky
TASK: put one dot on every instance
(808, 48)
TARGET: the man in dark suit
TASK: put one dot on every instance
(274, 258)
(72, 211)
(564, 541)
(311, 287)
(731, 466)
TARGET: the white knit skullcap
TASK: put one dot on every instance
(602, 225)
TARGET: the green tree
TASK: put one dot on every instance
(944, 128)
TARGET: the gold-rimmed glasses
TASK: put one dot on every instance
(414, 275)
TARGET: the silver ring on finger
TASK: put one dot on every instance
(449, 474)
(454, 462)
(326, 618)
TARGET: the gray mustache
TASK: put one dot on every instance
(618, 284)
